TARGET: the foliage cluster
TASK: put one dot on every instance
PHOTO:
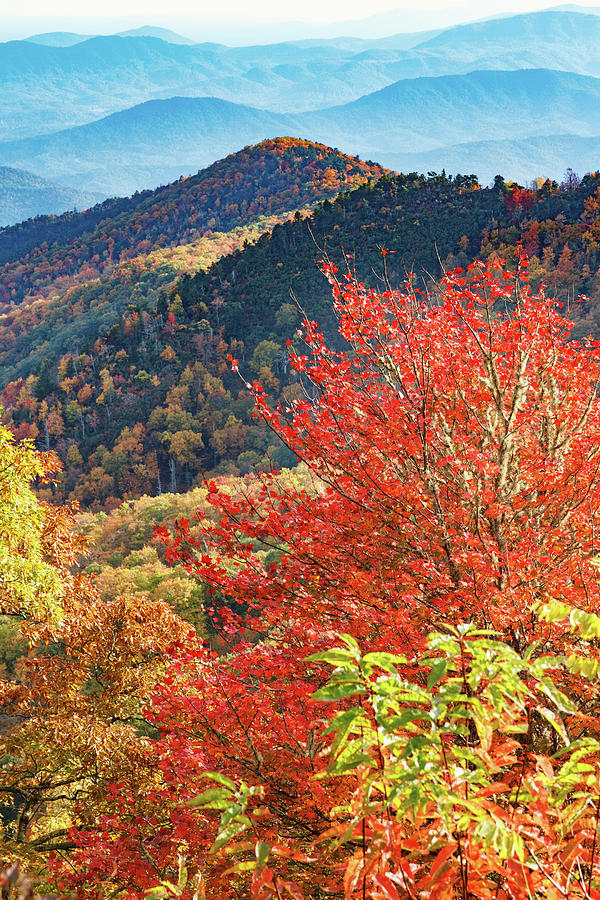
(83, 669)
(127, 558)
(162, 365)
(447, 522)
(32, 334)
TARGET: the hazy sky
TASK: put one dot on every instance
(200, 17)
(307, 10)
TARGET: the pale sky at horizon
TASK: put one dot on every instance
(271, 10)
(103, 16)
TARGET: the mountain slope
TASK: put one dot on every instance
(270, 178)
(150, 398)
(93, 274)
(23, 195)
(423, 113)
(150, 402)
(147, 145)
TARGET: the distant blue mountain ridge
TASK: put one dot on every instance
(69, 38)
(50, 88)
(24, 195)
(154, 142)
(109, 115)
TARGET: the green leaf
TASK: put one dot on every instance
(350, 642)
(581, 665)
(507, 843)
(337, 691)
(554, 612)
(438, 670)
(587, 624)
(221, 779)
(560, 700)
(529, 651)
(443, 643)
(349, 756)
(227, 834)
(386, 661)
(262, 852)
(343, 721)
(344, 763)
(212, 796)
(246, 866)
(393, 722)
(333, 657)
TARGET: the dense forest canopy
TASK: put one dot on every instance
(272, 177)
(445, 520)
(127, 378)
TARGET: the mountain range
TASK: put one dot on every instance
(51, 87)
(69, 38)
(69, 282)
(416, 121)
(111, 115)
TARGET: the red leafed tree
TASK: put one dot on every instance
(520, 200)
(450, 462)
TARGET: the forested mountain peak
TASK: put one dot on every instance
(268, 178)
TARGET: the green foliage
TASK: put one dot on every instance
(442, 781)
(12, 646)
(28, 584)
(438, 740)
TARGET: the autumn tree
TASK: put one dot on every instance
(451, 459)
(25, 572)
(81, 670)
